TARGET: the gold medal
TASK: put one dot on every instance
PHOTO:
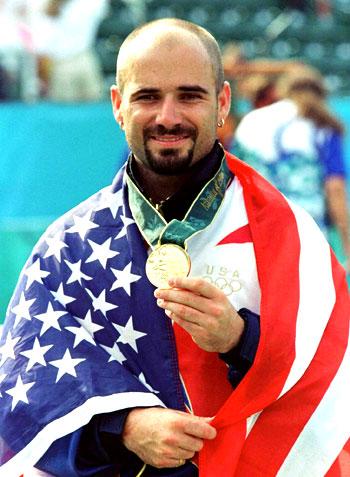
(167, 261)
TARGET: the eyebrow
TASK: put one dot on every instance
(184, 88)
(144, 91)
(193, 88)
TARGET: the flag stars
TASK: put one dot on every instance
(88, 324)
(66, 365)
(128, 335)
(21, 310)
(55, 245)
(82, 225)
(35, 273)
(60, 296)
(99, 303)
(36, 354)
(7, 350)
(19, 392)
(142, 378)
(115, 353)
(77, 275)
(126, 222)
(111, 201)
(50, 319)
(124, 278)
(101, 252)
(81, 334)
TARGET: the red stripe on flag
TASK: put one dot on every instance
(289, 415)
(272, 225)
(241, 235)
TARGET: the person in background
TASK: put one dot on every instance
(66, 46)
(298, 145)
(178, 323)
(253, 81)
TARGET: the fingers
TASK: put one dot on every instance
(165, 437)
(184, 302)
(196, 285)
(199, 428)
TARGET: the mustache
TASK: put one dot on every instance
(161, 130)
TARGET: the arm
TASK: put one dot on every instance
(335, 190)
(92, 450)
(241, 357)
(332, 155)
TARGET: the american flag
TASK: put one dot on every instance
(84, 336)
(290, 416)
(79, 336)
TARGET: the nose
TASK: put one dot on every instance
(168, 114)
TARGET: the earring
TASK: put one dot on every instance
(221, 122)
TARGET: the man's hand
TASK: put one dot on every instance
(203, 311)
(165, 437)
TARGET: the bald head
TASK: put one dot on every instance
(168, 33)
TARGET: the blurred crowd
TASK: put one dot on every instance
(47, 49)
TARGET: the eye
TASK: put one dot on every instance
(191, 96)
(146, 97)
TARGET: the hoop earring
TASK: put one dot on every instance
(221, 123)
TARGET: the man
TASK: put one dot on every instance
(108, 374)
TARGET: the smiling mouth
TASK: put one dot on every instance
(169, 139)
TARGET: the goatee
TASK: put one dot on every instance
(169, 161)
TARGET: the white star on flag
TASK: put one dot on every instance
(111, 201)
(61, 297)
(21, 310)
(124, 278)
(126, 222)
(128, 335)
(81, 334)
(50, 319)
(82, 225)
(7, 350)
(66, 365)
(2, 377)
(101, 252)
(142, 378)
(34, 273)
(19, 392)
(36, 354)
(115, 353)
(55, 245)
(77, 275)
(99, 303)
(88, 324)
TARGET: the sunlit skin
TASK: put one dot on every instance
(169, 109)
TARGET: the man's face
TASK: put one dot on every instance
(169, 108)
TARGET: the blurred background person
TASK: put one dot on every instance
(297, 143)
(18, 62)
(253, 81)
(67, 41)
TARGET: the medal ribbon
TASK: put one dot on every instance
(157, 231)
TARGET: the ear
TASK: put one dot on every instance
(116, 99)
(224, 101)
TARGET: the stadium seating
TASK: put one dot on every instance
(263, 28)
